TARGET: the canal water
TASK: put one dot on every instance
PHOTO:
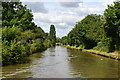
(62, 62)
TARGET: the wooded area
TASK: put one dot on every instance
(98, 32)
(20, 36)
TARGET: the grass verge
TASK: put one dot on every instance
(113, 55)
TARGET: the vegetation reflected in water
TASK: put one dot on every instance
(62, 62)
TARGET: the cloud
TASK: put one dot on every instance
(36, 7)
(64, 15)
(57, 19)
(49, 0)
(106, 2)
(82, 11)
(63, 22)
(70, 4)
(90, 8)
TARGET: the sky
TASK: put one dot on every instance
(64, 14)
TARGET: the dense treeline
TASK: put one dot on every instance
(20, 36)
(96, 31)
(112, 25)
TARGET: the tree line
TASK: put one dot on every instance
(99, 32)
(20, 36)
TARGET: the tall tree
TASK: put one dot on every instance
(112, 25)
(53, 34)
(14, 13)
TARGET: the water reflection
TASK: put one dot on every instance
(53, 65)
(62, 62)
(92, 66)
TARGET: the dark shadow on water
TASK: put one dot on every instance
(24, 61)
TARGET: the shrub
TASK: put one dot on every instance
(10, 33)
(33, 48)
(39, 45)
(13, 52)
(47, 43)
(103, 45)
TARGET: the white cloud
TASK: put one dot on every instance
(70, 4)
(88, 8)
(36, 7)
(65, 18)
(54, 18)
(106, 2)
(62, 24)
(49, 0)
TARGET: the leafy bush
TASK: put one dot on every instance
(13, 52)
(103, 45)
(39, 45)
(27, 35)
(33, 48)
(10, 33)
(47, 43)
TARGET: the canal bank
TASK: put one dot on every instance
(115, 56)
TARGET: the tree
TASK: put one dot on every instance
(64, 40)
(87, 33)
(10, 33)
(112, 25)
(20, 36)
(58, 39)
(14, 13)
(41, 34)
(52, 34)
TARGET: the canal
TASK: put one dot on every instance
(62, 62)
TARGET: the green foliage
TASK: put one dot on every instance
(47, 43)
(14, 13)
(87, 32)
(33, 48)
(58, 39)
(12, 52)
(10, 33)
(112, 25)
(53, 34)
(20, 36)
(27, 35)
(103, 45)
(39, 45)
(97, 32)
(64, 40)
(0, 23)
(0, 35)
(41, 34)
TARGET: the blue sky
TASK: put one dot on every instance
(64, 14)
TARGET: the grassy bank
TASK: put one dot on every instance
(113, 55)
